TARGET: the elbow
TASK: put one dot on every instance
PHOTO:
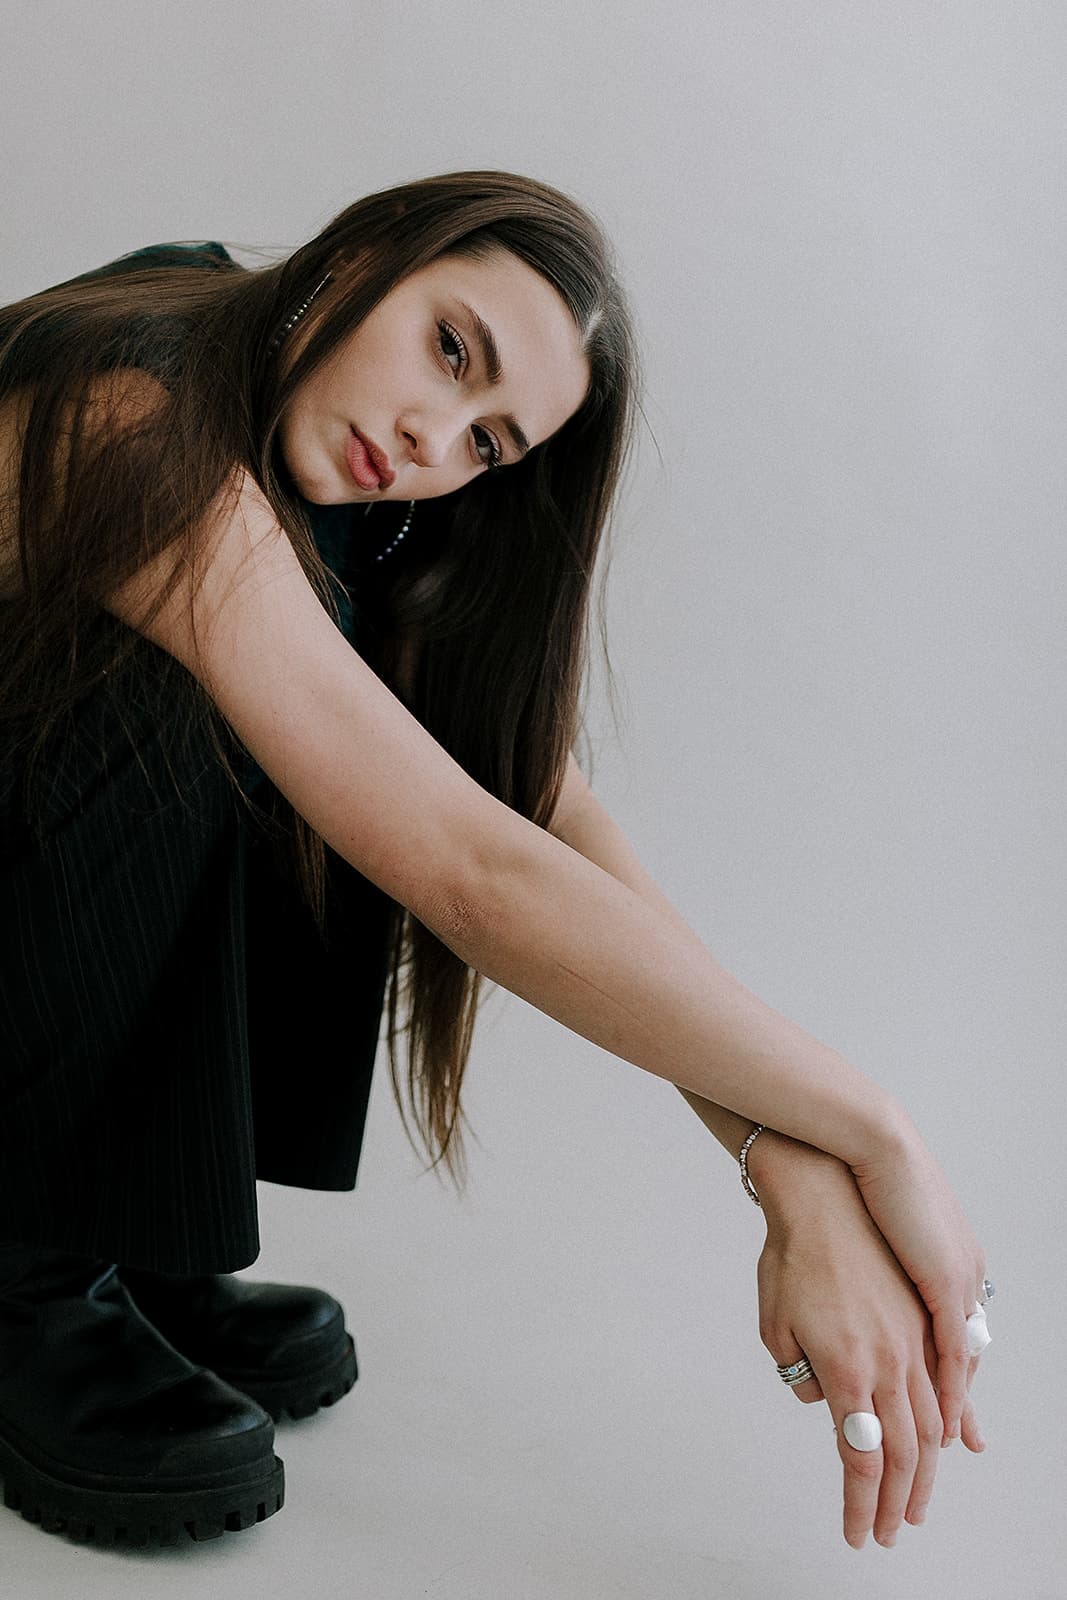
(473, 909)
(458, 918)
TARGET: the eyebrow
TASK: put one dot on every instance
(490, 354)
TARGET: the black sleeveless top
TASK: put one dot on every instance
(173, 1024)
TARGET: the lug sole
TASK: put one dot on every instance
(160, 1516)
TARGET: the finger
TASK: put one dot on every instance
(863, 1472)
(970, 1431)
(928, 1435)
(979, 1337)
(953, 1360)
(786, 1352)
(930, 1356)
(900, 1458)
(808, 1391)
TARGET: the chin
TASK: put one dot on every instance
(315, 475)
(315, 493)
(319, 495)
(324, 488)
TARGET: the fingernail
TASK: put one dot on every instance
(888, 1540)
(918, 1519)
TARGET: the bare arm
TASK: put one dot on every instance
(776, 1161)
(514, 902)
(525, 908)
(582, 822)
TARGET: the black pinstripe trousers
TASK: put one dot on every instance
(173, 1025)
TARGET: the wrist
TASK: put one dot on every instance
(783, 1171)
(893, 1136)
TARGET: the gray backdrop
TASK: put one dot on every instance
(835, 613)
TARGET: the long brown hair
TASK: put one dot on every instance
(497, 597)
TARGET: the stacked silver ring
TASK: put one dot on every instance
(987, 1293)
(797, 1372)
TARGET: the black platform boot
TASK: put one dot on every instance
(284, 1345)
(106, 1431)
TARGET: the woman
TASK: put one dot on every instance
(227, 832)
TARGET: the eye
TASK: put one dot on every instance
(485, 442)
(452, 347)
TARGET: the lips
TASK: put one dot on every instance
(368, 463)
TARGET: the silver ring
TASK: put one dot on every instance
(987, 1293)
(796, 1372)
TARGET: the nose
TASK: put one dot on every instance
(429, 440)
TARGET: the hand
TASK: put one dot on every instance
(831, 1289)
(909, 1198)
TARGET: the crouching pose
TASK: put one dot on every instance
(295, 569)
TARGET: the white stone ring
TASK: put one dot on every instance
(978, 1334)
(863, 1430)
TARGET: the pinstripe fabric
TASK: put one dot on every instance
(171, 1023)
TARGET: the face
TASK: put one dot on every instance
(463, 366)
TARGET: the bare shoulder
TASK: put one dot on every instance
(197, 599)
(113, 402)
(176, 602)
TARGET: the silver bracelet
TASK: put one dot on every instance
(746, 1181)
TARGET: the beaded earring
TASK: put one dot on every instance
(297, 314)
(407, 524)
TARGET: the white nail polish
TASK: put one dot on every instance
(978, 1334)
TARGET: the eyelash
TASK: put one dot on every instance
(447, 332)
